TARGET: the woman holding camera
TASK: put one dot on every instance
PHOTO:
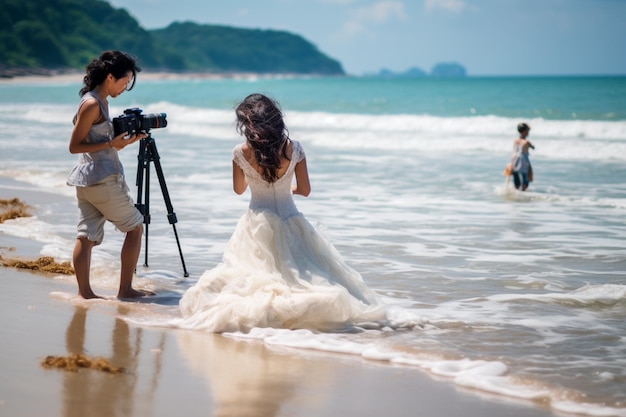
(101, 189)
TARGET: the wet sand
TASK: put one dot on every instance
(174, 372)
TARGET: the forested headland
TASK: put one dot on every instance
(64, 35)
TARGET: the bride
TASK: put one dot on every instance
(277, 270)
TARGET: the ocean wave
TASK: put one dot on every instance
(489, 376)
(180, 116)
(588, 295)
(586, 140)
(554, 139)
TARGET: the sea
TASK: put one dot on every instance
(521, 295)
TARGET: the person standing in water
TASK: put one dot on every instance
(521, 169)
(101, 189)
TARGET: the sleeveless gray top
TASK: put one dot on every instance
(93, 167)
(520, 161)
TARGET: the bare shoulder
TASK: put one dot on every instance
(248, 154)
(246, 150)
(89, 111)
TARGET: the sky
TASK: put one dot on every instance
(487, 37)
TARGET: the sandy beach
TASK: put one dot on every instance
(169, 372)
(192, 373)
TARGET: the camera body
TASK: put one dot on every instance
(133, 122)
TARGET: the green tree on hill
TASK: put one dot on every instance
(223, 48)
(69, 33)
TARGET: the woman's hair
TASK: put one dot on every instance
(115, 63)
(260, 120)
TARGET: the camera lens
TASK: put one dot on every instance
(153, 121)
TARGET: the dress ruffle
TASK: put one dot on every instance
(279, 273)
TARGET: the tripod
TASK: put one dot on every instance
(148, 153)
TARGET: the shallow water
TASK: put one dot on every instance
(520, 294)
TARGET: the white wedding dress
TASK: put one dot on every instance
(277, 270)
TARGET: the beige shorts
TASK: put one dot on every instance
(107, 200)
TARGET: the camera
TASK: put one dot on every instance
(132, 121)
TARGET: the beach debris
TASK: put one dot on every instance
(12, 209)
(72, 363)
(43, 264)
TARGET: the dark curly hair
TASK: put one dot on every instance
(522, 127)
(116, 63)
(260, 120)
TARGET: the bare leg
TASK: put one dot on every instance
(82, 263)
(129, 257)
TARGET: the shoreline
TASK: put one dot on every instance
(169, 371)
(39, 75)
(195, 373)
(42, 75)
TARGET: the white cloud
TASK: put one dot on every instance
(450, 5)
(379, 13)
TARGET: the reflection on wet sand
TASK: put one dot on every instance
(247, 379)
(218, 376)
(97, 394)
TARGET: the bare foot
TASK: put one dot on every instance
(90, 295)
(135, 294)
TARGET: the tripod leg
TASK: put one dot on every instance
(141, 166)
(143, 189)
(171, 216)
(146, 214)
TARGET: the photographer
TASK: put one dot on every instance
(101, 189)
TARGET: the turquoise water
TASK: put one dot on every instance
(517, 294)
(552, 98)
